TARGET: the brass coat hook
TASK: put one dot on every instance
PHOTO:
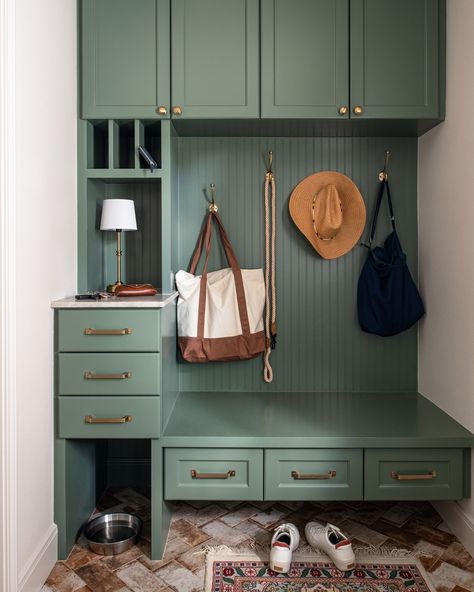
(270, 164)
(213, 206)
(383, 175)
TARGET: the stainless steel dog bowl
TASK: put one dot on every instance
(111, 534)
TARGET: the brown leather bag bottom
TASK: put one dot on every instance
(222, 349)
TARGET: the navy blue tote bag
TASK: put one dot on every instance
(388, 301)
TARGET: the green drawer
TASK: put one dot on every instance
(313, 474)
(213, 474)
(108, 330)
(109, 374)
(413, 474)
(139, 417)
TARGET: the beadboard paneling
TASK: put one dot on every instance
(319, 346)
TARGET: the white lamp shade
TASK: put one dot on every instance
(118, 214)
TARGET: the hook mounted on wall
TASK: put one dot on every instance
(213, 206)
(383, 175)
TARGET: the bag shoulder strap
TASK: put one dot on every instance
(384, 184)
(204, 242)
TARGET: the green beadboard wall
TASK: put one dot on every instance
(320, 346)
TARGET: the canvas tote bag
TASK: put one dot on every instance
(220, 313)
(388, 301)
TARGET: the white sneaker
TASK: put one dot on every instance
(333, 542)
(285, 540)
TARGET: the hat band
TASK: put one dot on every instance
(318, 234)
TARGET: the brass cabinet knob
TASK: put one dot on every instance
(176, 110)
(358, 110)
(343, 110)
(161, 110)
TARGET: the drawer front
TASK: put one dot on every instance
(313, 474)
(109, 374)
(213, 474)
(132, 417)
(413, 474)
(86, 330)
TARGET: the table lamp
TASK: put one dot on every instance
(118, 215)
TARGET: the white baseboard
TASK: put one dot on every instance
(458, 521)
(34, 575)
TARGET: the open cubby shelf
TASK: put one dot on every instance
(112, 148)
(141, 261)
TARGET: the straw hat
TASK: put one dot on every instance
(329, 210)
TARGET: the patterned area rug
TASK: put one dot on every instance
(237, 572)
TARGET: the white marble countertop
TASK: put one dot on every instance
(158, 301)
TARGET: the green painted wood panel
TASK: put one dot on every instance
(305, 58)
(161, 510)
(215, 58)
(344, 466)
(144, 324)
(143, 371)
(395, 58)
(74, 489)
(447, 463)
(125, 51)
(144, 410)
(312, 420)
(246, 484)
(320, 346)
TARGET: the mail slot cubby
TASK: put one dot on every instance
(123, 133)
(112, 145)
(97, 144)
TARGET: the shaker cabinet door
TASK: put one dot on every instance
(395, 59)
(215, 58)
(125, 58)
(305, 58)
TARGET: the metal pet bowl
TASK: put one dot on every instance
(111, 534)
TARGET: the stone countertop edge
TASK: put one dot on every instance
(158, 301)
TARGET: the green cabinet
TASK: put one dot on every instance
(211, 59)
(395, 58)
(305, 58)
(392, 49)
(215, 58)
(125, 58)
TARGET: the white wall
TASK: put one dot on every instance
(46, 115)
(446, 241)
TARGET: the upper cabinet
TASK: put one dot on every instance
(125, 58)
(305, 58)
(215, 58)
(395, 59)
(225, 59)
(393, 53)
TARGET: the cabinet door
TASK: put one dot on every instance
(125, 58)
(305, 58)
(395, 58)
(215, 58)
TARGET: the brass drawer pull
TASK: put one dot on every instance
(119, 376)
(419, 477)
(196, 475)
(90, 331)
(124, 419)
(299, 477)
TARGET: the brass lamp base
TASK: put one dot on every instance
(111, 288)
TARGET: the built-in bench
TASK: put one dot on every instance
(313, 446)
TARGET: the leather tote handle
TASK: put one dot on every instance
(205, 242)
(383, 185)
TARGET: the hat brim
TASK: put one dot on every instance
(353, 207)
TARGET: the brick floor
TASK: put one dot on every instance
(409, 525)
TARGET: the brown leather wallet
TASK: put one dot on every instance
(135, 290)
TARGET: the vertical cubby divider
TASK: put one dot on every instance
(139, 140)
